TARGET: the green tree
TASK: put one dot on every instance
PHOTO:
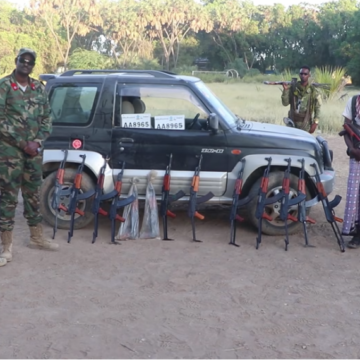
(17, 30)
(65, 19)
(124, 31)
(171, 21)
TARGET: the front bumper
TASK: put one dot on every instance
(328, 180)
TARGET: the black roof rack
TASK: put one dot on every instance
(47, 77)
(155, 73)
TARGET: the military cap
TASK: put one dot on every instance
(24, 51)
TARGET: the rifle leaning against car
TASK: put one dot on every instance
(328, 207)
(60, 192)
(287, 203)
(76, 196)
(115, 204)
(118, 203)
(167, 199)
(302, 217)
(262, 201)
(237, 203)
(194, 200)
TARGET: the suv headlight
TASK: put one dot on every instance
(327, 153)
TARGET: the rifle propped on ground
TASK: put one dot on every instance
(167, 199)
(118, 203)
(59, 192)
(287, 203)
(237, 203)
(302, 217)
(260, 213)
(76, 196)
(194, 200)
(99, 197)
(328, 207)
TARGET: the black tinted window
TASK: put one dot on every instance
(73, 105)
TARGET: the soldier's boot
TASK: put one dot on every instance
(2, 262)
(6, 241)
(37, 240)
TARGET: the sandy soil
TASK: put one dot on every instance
(156, 299)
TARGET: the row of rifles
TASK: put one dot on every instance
(287, 200)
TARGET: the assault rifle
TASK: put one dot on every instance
(328, 207)
(194, 200)
(118, 203)
(99, 197)
(287, 203)
(236, 204)
(263, 201)
(302, 217)
(323, 86)
(167, 199)
(351, 130)
(59, 191)
(284, 207)
(76, 196)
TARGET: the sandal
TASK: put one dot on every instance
(353, 232)
(354, 242)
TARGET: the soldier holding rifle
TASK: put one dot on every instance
(304, 100)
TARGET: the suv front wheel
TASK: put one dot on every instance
(46, 194)
(276, 226)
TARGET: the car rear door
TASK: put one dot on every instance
(82, 114)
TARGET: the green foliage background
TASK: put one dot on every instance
(171, 34)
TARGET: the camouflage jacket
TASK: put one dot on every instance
(24, 116)
(302, 97)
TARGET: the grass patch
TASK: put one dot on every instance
(262, 103)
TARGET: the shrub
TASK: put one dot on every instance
(334, 76)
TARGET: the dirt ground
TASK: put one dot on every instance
(156, 299)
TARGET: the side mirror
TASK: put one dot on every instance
(213, 123)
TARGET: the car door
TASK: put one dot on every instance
(77, 112)
(146, 135)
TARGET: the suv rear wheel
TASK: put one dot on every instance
(276, 226)
(47, 191)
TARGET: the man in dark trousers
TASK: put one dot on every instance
(24, 125)
(304, 101)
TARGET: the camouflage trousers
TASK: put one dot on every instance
(19, 172)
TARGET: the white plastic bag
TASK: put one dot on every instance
(150, 224)
(130, 228)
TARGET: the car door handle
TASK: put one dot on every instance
(126, 140)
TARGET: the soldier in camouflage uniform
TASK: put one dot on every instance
(305, 102)
(24, 124)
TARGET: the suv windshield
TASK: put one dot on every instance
(223, 110)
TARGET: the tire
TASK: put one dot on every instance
(46, 193)
(276, 226)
